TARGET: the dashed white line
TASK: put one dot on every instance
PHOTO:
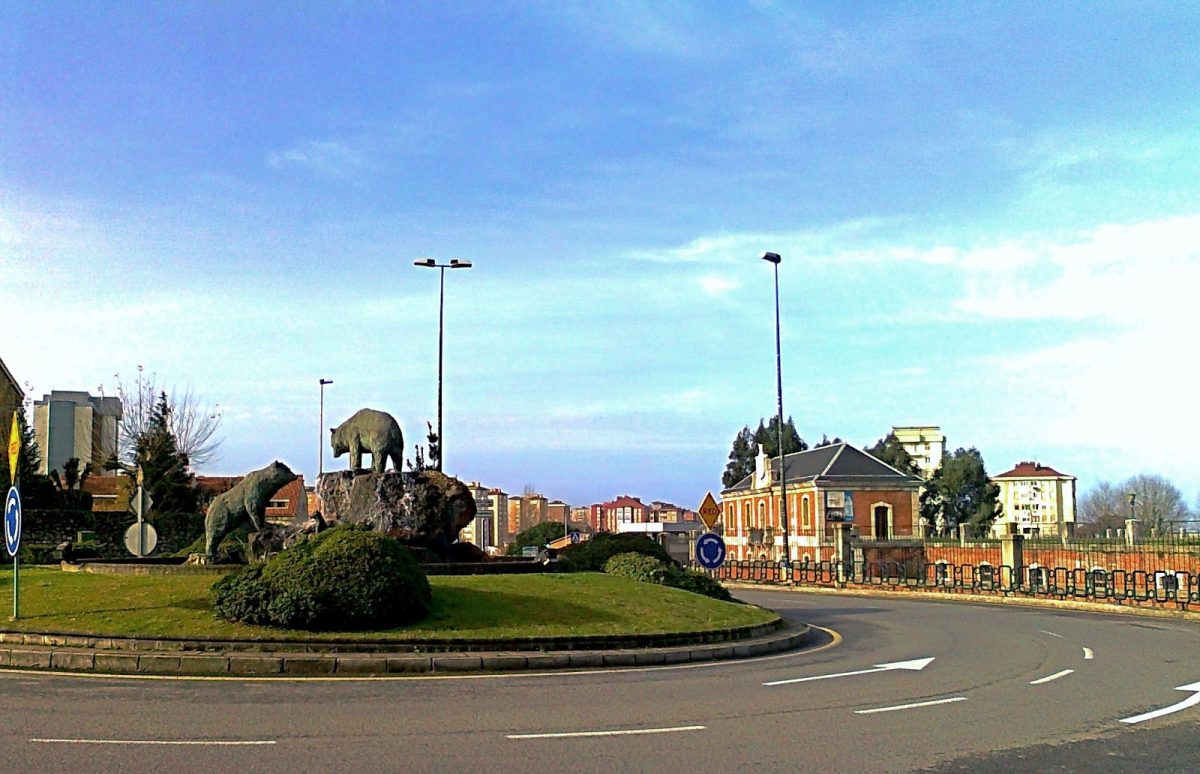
(1054, 676)
(186, 742)
(1052, 634)
(910, 706)
(615, 732)
(1087, 654)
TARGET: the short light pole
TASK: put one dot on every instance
(441, 267)
(775, 259)
(321, 430)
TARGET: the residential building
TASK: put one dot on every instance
(287, 505)
(480, 530)
(557, 510)
(831, 483)
(609, 516)
(669, 513)
(109, 493)
(12, 398)
(925, 444)
(1037, 500)
(498, 501)
(75, 424)
(524, 511)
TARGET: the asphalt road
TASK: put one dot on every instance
(997, 696)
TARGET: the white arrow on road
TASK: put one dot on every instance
(915, 665)
(1190, 701)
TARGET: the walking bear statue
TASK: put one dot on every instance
(371, 431)
(248, 499)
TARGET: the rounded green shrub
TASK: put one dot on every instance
(344, 579)
(697, 583)
(591, 555)
(639, 567)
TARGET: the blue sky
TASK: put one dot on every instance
(989, 216)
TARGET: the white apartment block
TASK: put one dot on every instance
(1037, 500)
(925, 444)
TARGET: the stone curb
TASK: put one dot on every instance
(1108, 608)
(300, 665)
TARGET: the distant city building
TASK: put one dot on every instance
(557, 510)
(669, 513)
(525, 511)
(826, 484)
(75, 424)
(480, 530)
(925, 444)
(1037, 500)
(498, 501)
(609, 516)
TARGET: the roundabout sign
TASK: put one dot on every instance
(710, 551)
(12, 521)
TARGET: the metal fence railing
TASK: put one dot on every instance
(1166, 588)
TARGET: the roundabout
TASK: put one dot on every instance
(999, 687)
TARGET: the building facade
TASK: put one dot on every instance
(925, 444)
(1037, 500)
(524, 511)
(75, 424)
(836, 483)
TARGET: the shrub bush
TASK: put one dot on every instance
(343, 579)
(591, 555)
(639, 567)
(697, 583)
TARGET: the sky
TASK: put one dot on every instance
(988, 213)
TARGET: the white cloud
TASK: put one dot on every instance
(324, 157)
(718, 286)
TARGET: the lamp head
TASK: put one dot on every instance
(772, 257)
(457, 264)
(425, 262)
(326, 381)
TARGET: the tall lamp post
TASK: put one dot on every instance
(441, 267)
(321, 430)
(774, 258)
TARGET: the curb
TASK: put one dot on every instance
(299, 665)
(1105, 608)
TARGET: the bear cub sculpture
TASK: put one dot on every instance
(248, 499)
(374, 432)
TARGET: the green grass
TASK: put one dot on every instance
(464, 607)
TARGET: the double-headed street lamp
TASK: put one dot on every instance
(321, 430)
(432, 264)
(774, 258)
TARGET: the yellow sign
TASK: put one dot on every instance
(709, 511)
(14, 449)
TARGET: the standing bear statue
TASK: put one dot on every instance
(371, 431)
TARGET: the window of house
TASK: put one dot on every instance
(277, 504)
(805, 513)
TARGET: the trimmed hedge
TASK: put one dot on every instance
(343, 579)
(591, 555)
(649, 569)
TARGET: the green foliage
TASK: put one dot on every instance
(537, 535)
(960, 490)
(746, 443)
(591, 555)
(344, 579)
(233, 548)
(36, 489)
(889, 449)
(649, 569)
(164, 468)
(639, 567)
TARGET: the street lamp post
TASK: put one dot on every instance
(321, 430)
(775, 259)
(441, 267)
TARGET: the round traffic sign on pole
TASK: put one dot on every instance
(141, 538)
(710, 551)
(12, 521)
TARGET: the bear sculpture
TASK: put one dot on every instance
(371, 431)
(248, 499)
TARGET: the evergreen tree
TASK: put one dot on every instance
(746, 443)
(741, 458)
(164, 468)
(960, 490)
(889, 449)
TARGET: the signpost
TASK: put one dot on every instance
(710, 547)
(12, 541)
(141, 537)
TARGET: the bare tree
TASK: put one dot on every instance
(1104, 507)
(1159, 503)
(194, 425)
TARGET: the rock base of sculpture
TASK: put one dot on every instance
(424, 510)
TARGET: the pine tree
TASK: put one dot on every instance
(36, 489)
(164, 468)
(960, 491)
(889, 449)
(746, 443)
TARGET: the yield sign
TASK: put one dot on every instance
(709, 511)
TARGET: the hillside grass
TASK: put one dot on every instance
(464, 607)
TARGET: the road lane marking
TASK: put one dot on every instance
(1052, 634)
(1087, 654)
(910, 706)
(616, 732)
(1190, 701)
(191, 742)
(1054, 676)
(915, 665)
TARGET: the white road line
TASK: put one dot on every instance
(910, 706)
(1087, 654)
(618, 732)
(1052, 634)
(1054, 676)
(192, 742)
(1190, 701)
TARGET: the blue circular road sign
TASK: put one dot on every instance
(12, 521)
(710, 550)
